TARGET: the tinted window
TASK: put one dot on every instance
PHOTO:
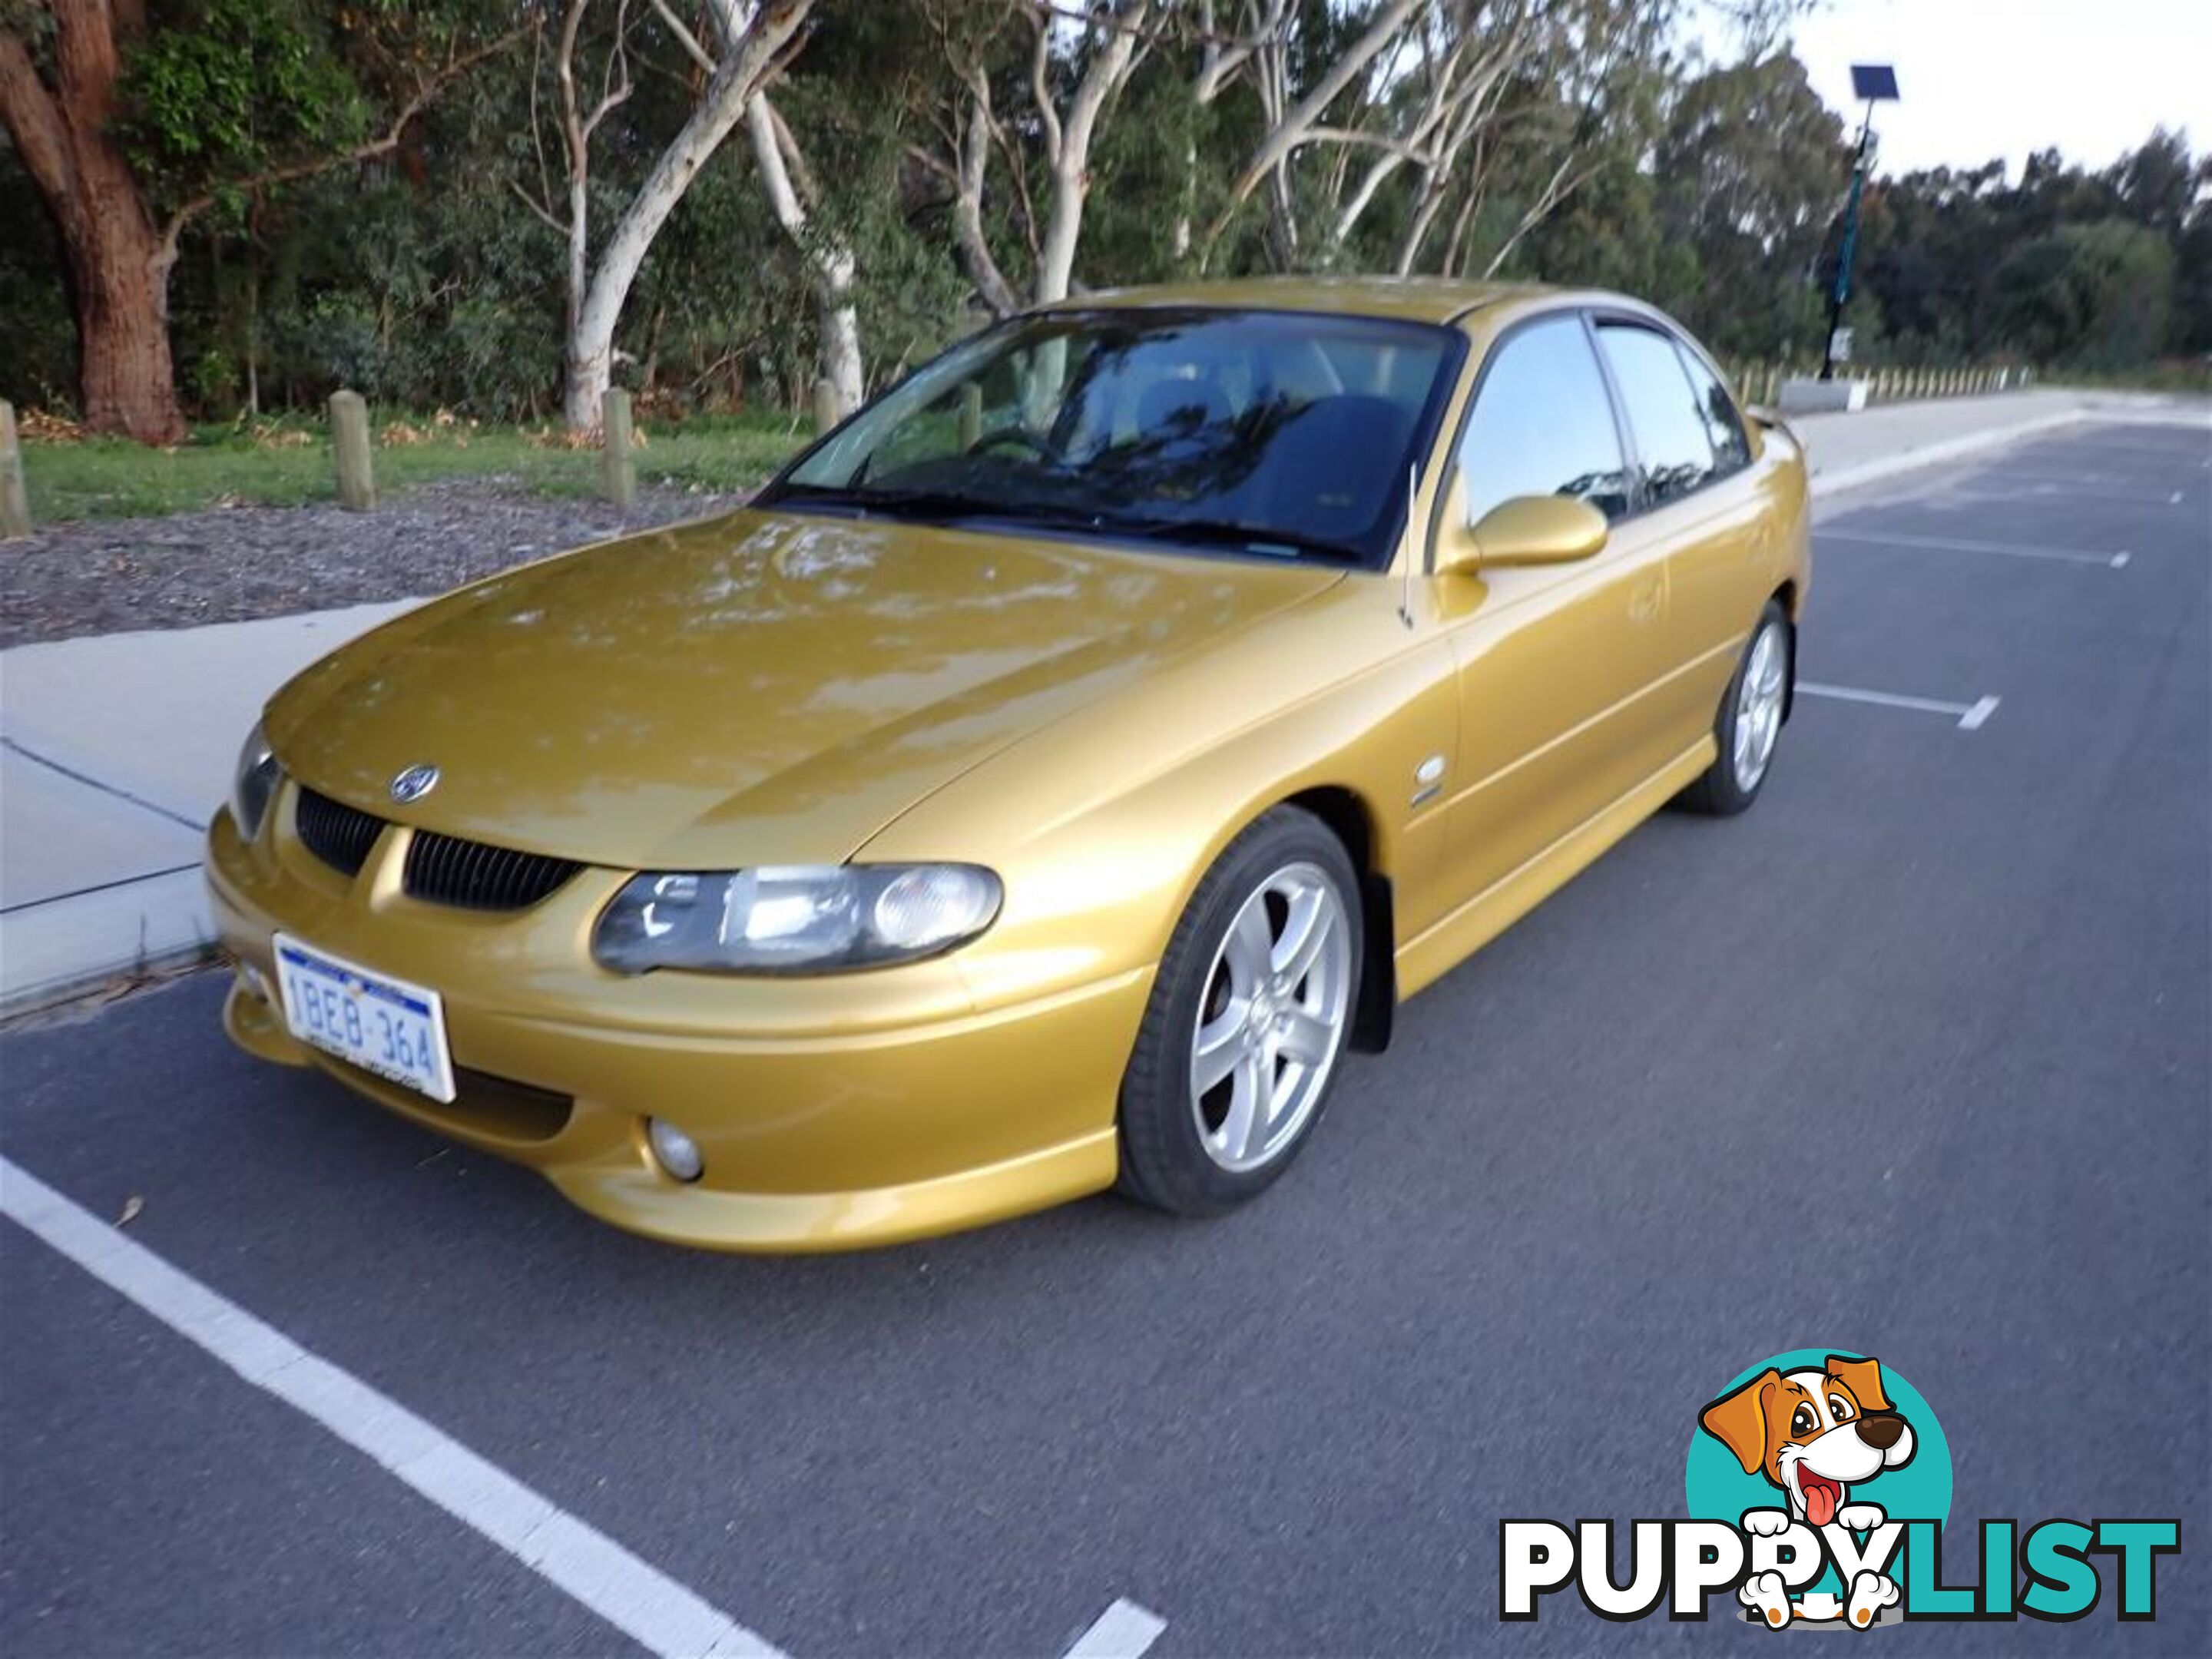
(1664, 414)
(1543, 424)
(1723, 428)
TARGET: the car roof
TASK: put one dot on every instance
(1414, 299)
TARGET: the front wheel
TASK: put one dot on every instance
(1749, 723)
(1247, 1022)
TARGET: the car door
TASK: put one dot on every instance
(1702, 512)
(1554, 662)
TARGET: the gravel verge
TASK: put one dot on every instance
(105, 575)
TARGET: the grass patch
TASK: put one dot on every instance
(286, 462)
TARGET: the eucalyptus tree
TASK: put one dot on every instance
(136, 119)
(1058, 74)
(593, 78)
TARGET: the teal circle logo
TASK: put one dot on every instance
(1817, 1435)
(1720, 1488)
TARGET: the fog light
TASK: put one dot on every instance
(677, 1152)
(254, 982)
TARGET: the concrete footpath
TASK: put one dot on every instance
(115, 750)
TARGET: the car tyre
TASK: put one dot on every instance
(1748, 728)
(1249, 1016)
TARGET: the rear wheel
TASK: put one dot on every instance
(1749, 723)
(1248, 1020)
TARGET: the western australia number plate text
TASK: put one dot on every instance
(380, 1024)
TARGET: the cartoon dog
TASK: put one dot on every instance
(1814, 1434)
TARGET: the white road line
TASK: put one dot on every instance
(634, 1596)
(1122, 1632)
(1948, 544)
(1970, 716)
(2174, 499)
(2050, 493)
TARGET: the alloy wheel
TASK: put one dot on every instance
(1758, 705)
(1272, 1020)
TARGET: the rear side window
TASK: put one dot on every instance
(1665, 415)
(1543, 424)
(1723, 427)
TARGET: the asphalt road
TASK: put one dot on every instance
(1911, 1060)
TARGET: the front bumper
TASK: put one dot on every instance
(837, 1112)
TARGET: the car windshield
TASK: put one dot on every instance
(1274, 434)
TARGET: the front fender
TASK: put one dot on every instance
(1102, 825)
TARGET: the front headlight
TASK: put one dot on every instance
(794, 919)
(254, 785)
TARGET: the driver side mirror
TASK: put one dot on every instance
(1528, 530)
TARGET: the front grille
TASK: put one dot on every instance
(340, 835)
(471, 875)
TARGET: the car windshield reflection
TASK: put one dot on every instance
(1276, 434)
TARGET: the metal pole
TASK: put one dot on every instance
(1842, 291)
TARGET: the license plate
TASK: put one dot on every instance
(371, 1020)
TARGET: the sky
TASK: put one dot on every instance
(1984, 78)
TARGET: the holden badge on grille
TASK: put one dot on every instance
(414, 783)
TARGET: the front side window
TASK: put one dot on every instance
(1275, 434)
(1665, 416)
(1543, 424)
(1724, 426)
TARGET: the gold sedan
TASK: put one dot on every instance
(1049, 776)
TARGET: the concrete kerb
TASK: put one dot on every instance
(116, 748)
(1827, 484)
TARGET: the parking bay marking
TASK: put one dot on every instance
(1970, 716)
(634, 1596)
(1123, 1631)
(575, 1557)
(1948, 544)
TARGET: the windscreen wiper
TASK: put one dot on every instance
(942, 504)
(1261, 539)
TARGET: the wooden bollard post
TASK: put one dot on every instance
(617, 464)
(825, 404)
(971, 416)
(14, 501)
(349, 443)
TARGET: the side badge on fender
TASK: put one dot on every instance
(1430, 775)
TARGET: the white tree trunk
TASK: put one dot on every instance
(1068, 144)
(1294, 126)
(721, 106)
(827, 259)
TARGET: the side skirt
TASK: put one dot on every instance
(1429, 956)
